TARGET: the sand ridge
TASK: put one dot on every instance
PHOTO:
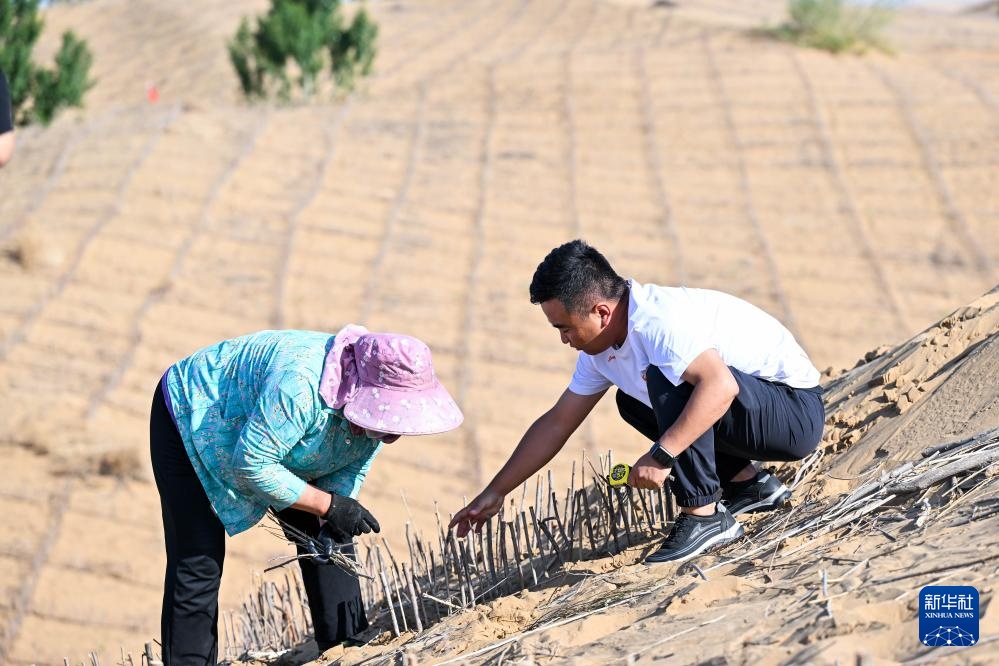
(852, 198)
(820, 595)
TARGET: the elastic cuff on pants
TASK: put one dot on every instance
(699, 500)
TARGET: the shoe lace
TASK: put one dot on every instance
(681, 529)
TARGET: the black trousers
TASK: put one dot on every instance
(195, 550)
(766, 421)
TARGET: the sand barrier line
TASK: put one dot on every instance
(664, 27)
(175, 31)
(622, 41)
(19, 334)
(859, 224)
(480, 46)
(208, 21)
(119, 576)
(166, 29)
(432, 17)
(653, 43)
(154, 296)
(417, 143)
(22, 602)
(653, 161)
(572, 145)
(439, 39)
(626, 35)
(569, 119)
(91, 622)
(721, 90)
(464, 55)
(278, 318)
(57, 170)
(473, 447)
(571, 161)
(983, 95)
(544, 25)
(951, 211)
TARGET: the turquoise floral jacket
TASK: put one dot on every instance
(256, 429)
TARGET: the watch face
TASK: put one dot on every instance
(662, 456)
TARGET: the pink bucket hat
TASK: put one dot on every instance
(386, 382)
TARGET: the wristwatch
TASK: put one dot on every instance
(662, 456)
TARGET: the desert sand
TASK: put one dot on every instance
(833, 580)
(856, 199)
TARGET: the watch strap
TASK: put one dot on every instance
(662, 456)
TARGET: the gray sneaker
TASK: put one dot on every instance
(692, 535)
(764, 493)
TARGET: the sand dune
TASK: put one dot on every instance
(853, 198)
(802, 588)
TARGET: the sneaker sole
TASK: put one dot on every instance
(720, 539)
(779, 498)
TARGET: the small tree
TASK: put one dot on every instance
(301, 37)
(37, 94)
(836, 26)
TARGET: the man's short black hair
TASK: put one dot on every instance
(575, 273)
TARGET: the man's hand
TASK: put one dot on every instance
(647, 473)
(346, 518)
(482, 508)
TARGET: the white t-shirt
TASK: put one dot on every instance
(671, 326)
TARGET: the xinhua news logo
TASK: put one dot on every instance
(948, 615)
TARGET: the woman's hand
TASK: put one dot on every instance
(482, 508)
(346, 518)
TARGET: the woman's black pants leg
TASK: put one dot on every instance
(766, 421)
(195, 548)
(334, 595)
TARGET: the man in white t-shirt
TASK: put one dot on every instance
(712, 380)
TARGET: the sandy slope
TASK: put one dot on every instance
(855, 199)
(845, 593)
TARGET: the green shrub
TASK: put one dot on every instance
(295, 41)
(834, 25)
(37, 94)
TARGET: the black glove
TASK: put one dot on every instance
(328, 544)
(345, 519)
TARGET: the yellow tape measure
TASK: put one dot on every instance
(619, 475)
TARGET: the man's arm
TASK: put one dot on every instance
(714, 390)
(540, 443)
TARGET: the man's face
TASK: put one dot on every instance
(581, 332)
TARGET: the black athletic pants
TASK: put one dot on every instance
(195, 550)
(767, 421)
(6, 115)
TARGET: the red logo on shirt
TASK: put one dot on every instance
(611, 358)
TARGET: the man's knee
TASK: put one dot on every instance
(668, 400)
(637, 414)
(658, 385)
